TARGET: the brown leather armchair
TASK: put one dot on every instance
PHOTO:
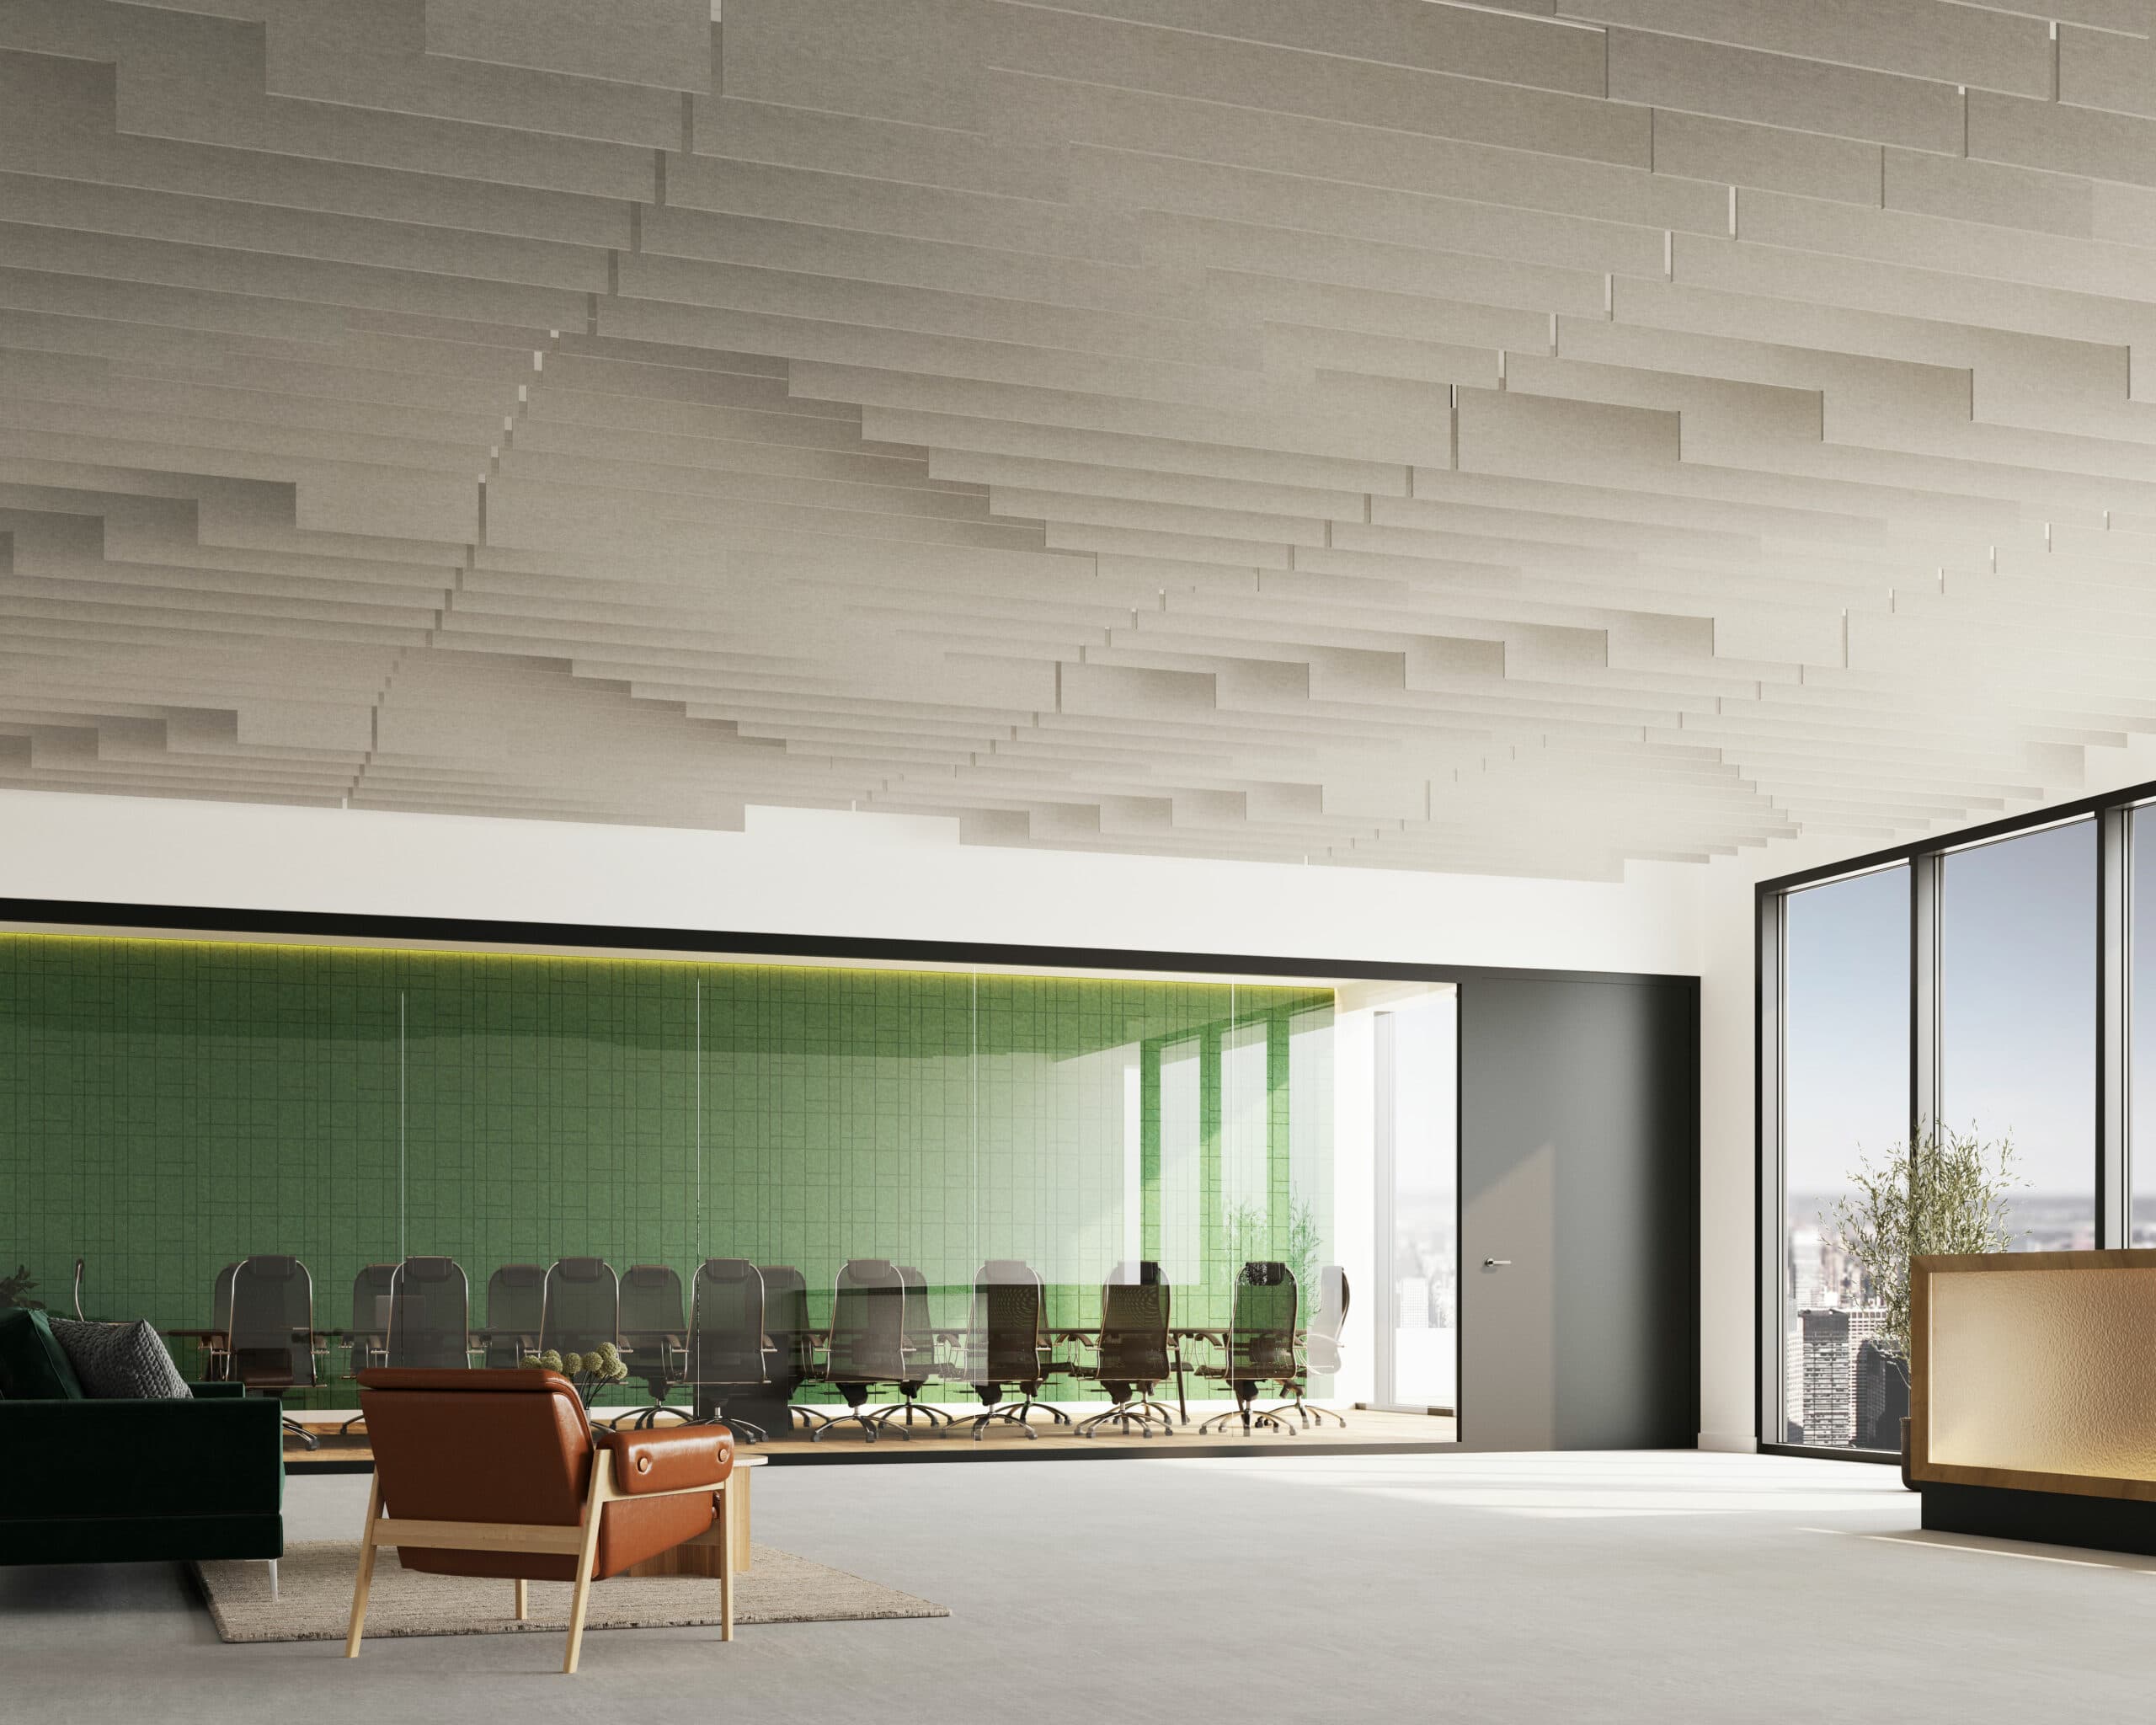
(500, 1473)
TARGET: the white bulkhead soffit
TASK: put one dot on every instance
(1377, 432)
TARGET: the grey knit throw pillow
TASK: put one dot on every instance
(119, 1361)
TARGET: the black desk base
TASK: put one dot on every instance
(2046, 1518)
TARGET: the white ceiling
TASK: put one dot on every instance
(1375, 431)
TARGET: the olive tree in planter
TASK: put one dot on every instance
(1947, 1192)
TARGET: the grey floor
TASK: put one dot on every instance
(1581, 1587)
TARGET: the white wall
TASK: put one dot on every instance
(806, 871)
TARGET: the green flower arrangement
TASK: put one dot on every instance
(588, 1372)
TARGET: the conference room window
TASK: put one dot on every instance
(1182, 1132)
(494, 1113)
(2017, 1017)
(1418, 1082)
(1845, 1097)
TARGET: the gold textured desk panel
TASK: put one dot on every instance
(2036, 1369)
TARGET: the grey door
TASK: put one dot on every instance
(1579, 1159)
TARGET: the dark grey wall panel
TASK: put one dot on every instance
(1579, 1164)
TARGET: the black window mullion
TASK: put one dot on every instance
(2114, 1023)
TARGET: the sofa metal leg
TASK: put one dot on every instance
(273, 1577)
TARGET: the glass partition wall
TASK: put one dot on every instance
(169, 1107)
(1987, 986)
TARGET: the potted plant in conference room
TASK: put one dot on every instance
(1945, 1192)
(589, 1372)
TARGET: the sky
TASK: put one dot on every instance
(2017, 1032)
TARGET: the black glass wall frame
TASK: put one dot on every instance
(2108, 915)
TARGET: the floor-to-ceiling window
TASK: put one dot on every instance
(1985, 985)
(1845, 1094)
(2141, 922)
(2017, 1021)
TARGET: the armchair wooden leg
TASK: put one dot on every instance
(364, 1584)
(725, 1500)
(586, 1561)
(523, 1600)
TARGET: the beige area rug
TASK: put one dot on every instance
(314, 1598)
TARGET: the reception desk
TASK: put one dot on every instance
(2032, 1395)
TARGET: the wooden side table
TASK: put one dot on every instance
(700, 1555)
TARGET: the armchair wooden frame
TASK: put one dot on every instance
(581, 1542)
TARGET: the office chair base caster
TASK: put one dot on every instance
(293, 1429)
(938, 1421)
(1309, 1413)
(815, 1422)
(1015, 1413)
(869, 1422)
(1254, 1419)
(1019, 1409)
(643, 1419)
(1140, 1412)
(747, 1430)
(1002, 1416)
(345, 1429)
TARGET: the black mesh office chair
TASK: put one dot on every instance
(218, 1346)
(730, 1345)
(1261, 1345)
(366, 1339)
(920, 1355)
(867, 1343)
(1006, 1344)
(656, 1337)
(793, 1340)
(369, 1334)
(1320, 1353)
(1135, 1354)
(583, 1307)
(272, 1335)
(516, 1300)
(431, 1315)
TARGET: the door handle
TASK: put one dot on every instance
(1497, 1263)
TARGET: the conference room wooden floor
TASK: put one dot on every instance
(1368, 1432)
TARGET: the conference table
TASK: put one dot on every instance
(1085, 1335)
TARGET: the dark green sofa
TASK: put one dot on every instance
(135, 1481)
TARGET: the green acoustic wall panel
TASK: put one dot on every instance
(169, 1106)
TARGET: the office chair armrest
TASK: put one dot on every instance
(668, 1458)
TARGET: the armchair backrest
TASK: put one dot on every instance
(431, 1315)
(273, 1322)
(497, 1446)
(516, 1450)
